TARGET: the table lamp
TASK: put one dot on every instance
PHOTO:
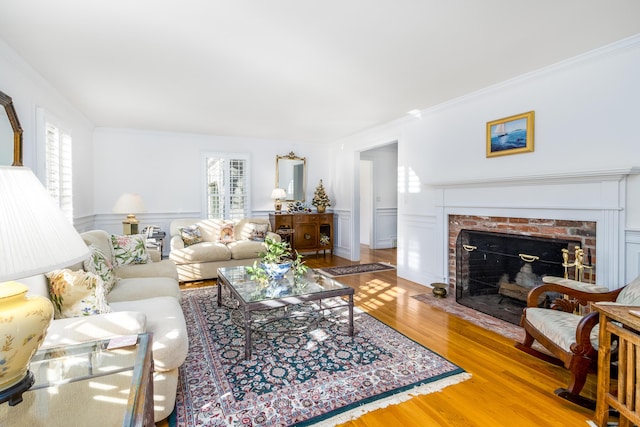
(277, 194)
(129, 204)
(36, 238)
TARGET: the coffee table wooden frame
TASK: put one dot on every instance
(248, 308)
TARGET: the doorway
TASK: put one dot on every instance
(378, 187)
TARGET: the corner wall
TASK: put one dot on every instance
(585, 110)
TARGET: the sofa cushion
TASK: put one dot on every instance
(103, 326)
(191, 235)
(166, 321)
(202, 252)
(99, 264)
(130, 249)
(162, 268)
(210, 229)
(143, 288)
(246, 249)
(76, 293)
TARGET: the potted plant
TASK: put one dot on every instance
(320, 199)
(275, 261)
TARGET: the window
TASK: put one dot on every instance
(227, 186)
(58, 168)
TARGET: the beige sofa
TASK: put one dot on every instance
(201, 261)
(145, 298)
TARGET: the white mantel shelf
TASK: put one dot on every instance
(561, 177)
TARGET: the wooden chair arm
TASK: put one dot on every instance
(583, 346)
(583, 296)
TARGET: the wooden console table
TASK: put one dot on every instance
(626, 400)
(307, 229)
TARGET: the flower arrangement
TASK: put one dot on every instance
(275, 261)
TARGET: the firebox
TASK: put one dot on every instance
(495, 271)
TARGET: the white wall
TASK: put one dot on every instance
(586, 111)
(166, 169)
(30, 91)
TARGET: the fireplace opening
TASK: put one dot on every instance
(495, 271)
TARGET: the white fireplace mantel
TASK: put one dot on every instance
(598, 196)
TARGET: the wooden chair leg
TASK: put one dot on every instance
(579, 371)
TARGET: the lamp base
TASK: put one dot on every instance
(130, 225)
(13, 394)
(129, 228)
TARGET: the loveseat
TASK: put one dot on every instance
(200, 246)
(144, 298)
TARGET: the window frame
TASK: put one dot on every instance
(227, 157)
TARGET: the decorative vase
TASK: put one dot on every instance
(440, 289)
(23, 323)
(276, 271)
(321, 209)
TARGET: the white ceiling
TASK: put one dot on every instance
(300, 70)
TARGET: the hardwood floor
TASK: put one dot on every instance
(508, 387)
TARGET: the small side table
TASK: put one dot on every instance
(156, 244)
(88, 384)
(617, 320)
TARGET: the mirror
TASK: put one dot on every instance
(10, 154)
(291, 175)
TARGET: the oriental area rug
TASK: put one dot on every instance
(317, 375)
(348, 270)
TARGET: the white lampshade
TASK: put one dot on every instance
(129, 203)
(278, 193)
(34, 234)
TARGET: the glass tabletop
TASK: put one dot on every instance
(254, 291)
(80, 384)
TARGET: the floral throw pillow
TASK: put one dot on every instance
(226, 233)
(131, 249)
(190, 235)
(76, 293)
(98, 263)
(258, 231)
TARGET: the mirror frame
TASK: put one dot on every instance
(7, 102)
(292, 156)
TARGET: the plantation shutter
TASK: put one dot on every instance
(58, 168)
(227, 186)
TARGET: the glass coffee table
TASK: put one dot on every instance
(253, 296)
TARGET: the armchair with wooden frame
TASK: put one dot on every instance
(570, 337)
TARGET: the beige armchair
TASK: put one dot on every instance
(571, 339)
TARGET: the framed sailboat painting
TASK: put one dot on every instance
(510, 135)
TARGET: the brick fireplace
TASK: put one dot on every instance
(586, 206)
(495, 261)
(582, 231)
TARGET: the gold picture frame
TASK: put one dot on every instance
(510, 135)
